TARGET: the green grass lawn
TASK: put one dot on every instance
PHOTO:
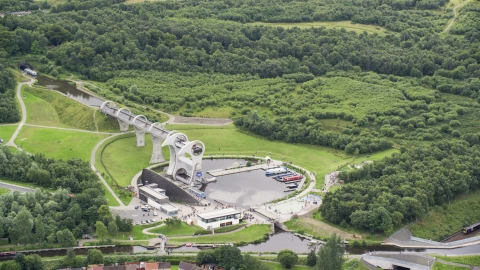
(469, 260)
(181, 230)
(354, 264)
(59, 144)
(440, 223)
(441, 266)
(348, 25)
(6, 132)
(39, 111)
(137, 232)
(4, 191)
(218, 140)
(249, 234)
(111, 200)
(278, 266)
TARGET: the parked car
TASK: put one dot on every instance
(143, 222)
(136, 223)
(155, 214)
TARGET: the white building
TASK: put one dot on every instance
(218, 218)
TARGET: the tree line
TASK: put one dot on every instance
(45, 218)
(404, 187)
(8, 107)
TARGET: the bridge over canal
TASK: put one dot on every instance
(185, 156)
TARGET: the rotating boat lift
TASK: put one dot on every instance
(185, 156)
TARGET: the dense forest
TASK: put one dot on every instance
(406, 186)
(8, 107)
(60, 217)
(409, 86)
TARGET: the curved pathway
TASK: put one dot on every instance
(454, 16)
(92, 165)
(11, 142)
(72, 129)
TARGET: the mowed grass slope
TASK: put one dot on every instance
(6, 132)
(469, 260)
(50, 108)
(56, 143)
(250, 234)
(348, 25)
(442, 222)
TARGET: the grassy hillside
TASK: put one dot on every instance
(250, 234)
(49, 108)
(6, 132)
(469, 260)
(444, 221)
(60, 144)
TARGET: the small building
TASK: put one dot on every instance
(152, 196)
(115, 267)
(218, 218)
(168, 209)
(164, 266)
(188, 266)
(151, 266)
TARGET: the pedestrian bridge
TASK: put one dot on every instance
(185, 156)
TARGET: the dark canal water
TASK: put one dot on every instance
(242, 189)
(70, 91)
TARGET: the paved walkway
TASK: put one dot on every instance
(92, 165)
(11, 142)
(72, 129)
(454, 16)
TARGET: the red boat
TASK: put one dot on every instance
(292, 178)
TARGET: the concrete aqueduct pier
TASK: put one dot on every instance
(185, 156)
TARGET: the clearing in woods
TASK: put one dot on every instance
(348, 25)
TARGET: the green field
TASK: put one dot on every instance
(6, 132)
(250, 234)
(49, 108)
(4, 191)
(442, 222)
(183, 229)
(469, 260)
(348, 25)
(354, 264)
(59, 144)
(441, 266)
(278, 266)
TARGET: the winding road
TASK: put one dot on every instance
(454, 16)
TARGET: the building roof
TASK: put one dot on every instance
(164, 265)
(168, 207)
(152, 192)
(151, 266)
(187, 266)
(219, 213)
(114, 267)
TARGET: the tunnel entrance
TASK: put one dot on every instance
(397, 267)
(24, 65)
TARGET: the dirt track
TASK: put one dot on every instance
(200, 121)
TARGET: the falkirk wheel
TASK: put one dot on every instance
(185, 156)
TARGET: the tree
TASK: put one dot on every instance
(312, 258)
(250, 262)
(206, 256)
(34, 262)
(104, 211)
(69, 259)
(65, 238)
(10, 265)
(330, 255)
(39, 230)
(21, 232)
(228, 256)
(94, 256)
(101, 230)
(287, 258)
(173, 222)
(112, 228)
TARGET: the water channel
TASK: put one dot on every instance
(70, 90)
